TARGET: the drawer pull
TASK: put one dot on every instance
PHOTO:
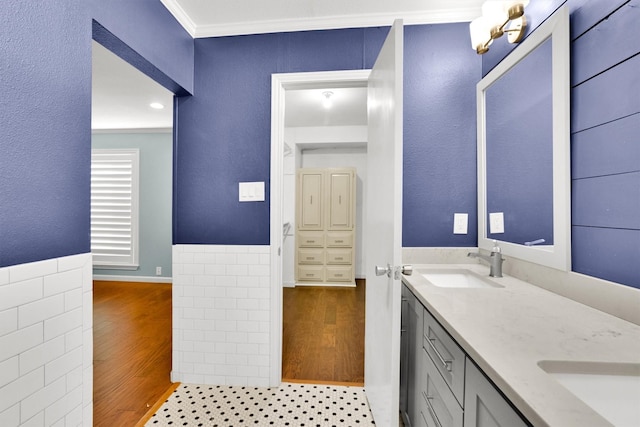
(311, 241)
(339, 241)
(309, 274)
(432, 411)
(445, 363)
(310, 258)
(338, 274)
(339, 258)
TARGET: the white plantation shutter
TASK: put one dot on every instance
(114, 208)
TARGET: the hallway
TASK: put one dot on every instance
(323, 334)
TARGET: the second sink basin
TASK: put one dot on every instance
(457, 278)
(611, 389)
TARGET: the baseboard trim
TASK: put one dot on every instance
(327, 284)
(146, 279)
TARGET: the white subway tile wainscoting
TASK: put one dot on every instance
(221, 315)
(294, 405)
(46, 343)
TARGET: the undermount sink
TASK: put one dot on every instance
(457, 278)
(610, 389)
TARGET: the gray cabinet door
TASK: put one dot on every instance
(404, 354)
(411, 361)
(484, 406)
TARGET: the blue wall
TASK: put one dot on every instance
(145, 34)
(225, 129)
(519, 171)
(45, 106)
(440, 75)
(155, 198)
(605, 124)
(45, 150)
(224, 133)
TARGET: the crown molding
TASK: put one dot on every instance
(334, 22)
(181, 16)
(317, 23)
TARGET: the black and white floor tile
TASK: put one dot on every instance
(297, 405)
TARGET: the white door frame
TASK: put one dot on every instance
(279, 84)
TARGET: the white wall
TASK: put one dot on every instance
(291, 164)
(46, 343)
(221, 315)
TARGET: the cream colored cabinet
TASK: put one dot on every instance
(310, 201)
(325, 230)
(340, 200)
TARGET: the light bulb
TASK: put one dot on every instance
(327, 102)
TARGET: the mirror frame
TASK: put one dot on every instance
(557, 255)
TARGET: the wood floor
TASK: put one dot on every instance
(132, 350)
(323, 341)
(323, 334)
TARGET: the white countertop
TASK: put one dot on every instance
(508, 330)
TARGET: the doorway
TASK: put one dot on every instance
(293, 141)
(132, 304)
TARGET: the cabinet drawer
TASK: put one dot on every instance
(446, 355)
(311, 273)
(339, 274)
(310, 256)
(438, 402)
(311, 239)
(339, 256)
(339, 239)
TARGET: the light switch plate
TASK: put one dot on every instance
(460, 223)
(496, 222)
(251, 191)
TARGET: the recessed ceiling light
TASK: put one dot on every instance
(327, 102)
(156, 106)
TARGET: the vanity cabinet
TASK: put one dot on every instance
(484, 405)
(411, 364)
(438, 406)
(440, 385)
(325, 225)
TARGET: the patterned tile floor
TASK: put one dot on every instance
(296, 405)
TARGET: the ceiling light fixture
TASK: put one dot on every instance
(156, 106)
(327, 102)
(496, 15)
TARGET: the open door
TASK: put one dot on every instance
(384, 231)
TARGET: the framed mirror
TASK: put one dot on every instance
(523, 149)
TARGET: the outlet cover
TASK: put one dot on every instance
(496, 222)
(460, 223)
(251, 191)
(158, 271)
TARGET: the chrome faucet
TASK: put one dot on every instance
(495, 260)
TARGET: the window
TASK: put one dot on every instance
(114, 208)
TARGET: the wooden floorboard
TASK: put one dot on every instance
(132, 349)
(323, 334)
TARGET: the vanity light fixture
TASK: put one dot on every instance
(326, 101)
(498, 17)
(156, 106)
